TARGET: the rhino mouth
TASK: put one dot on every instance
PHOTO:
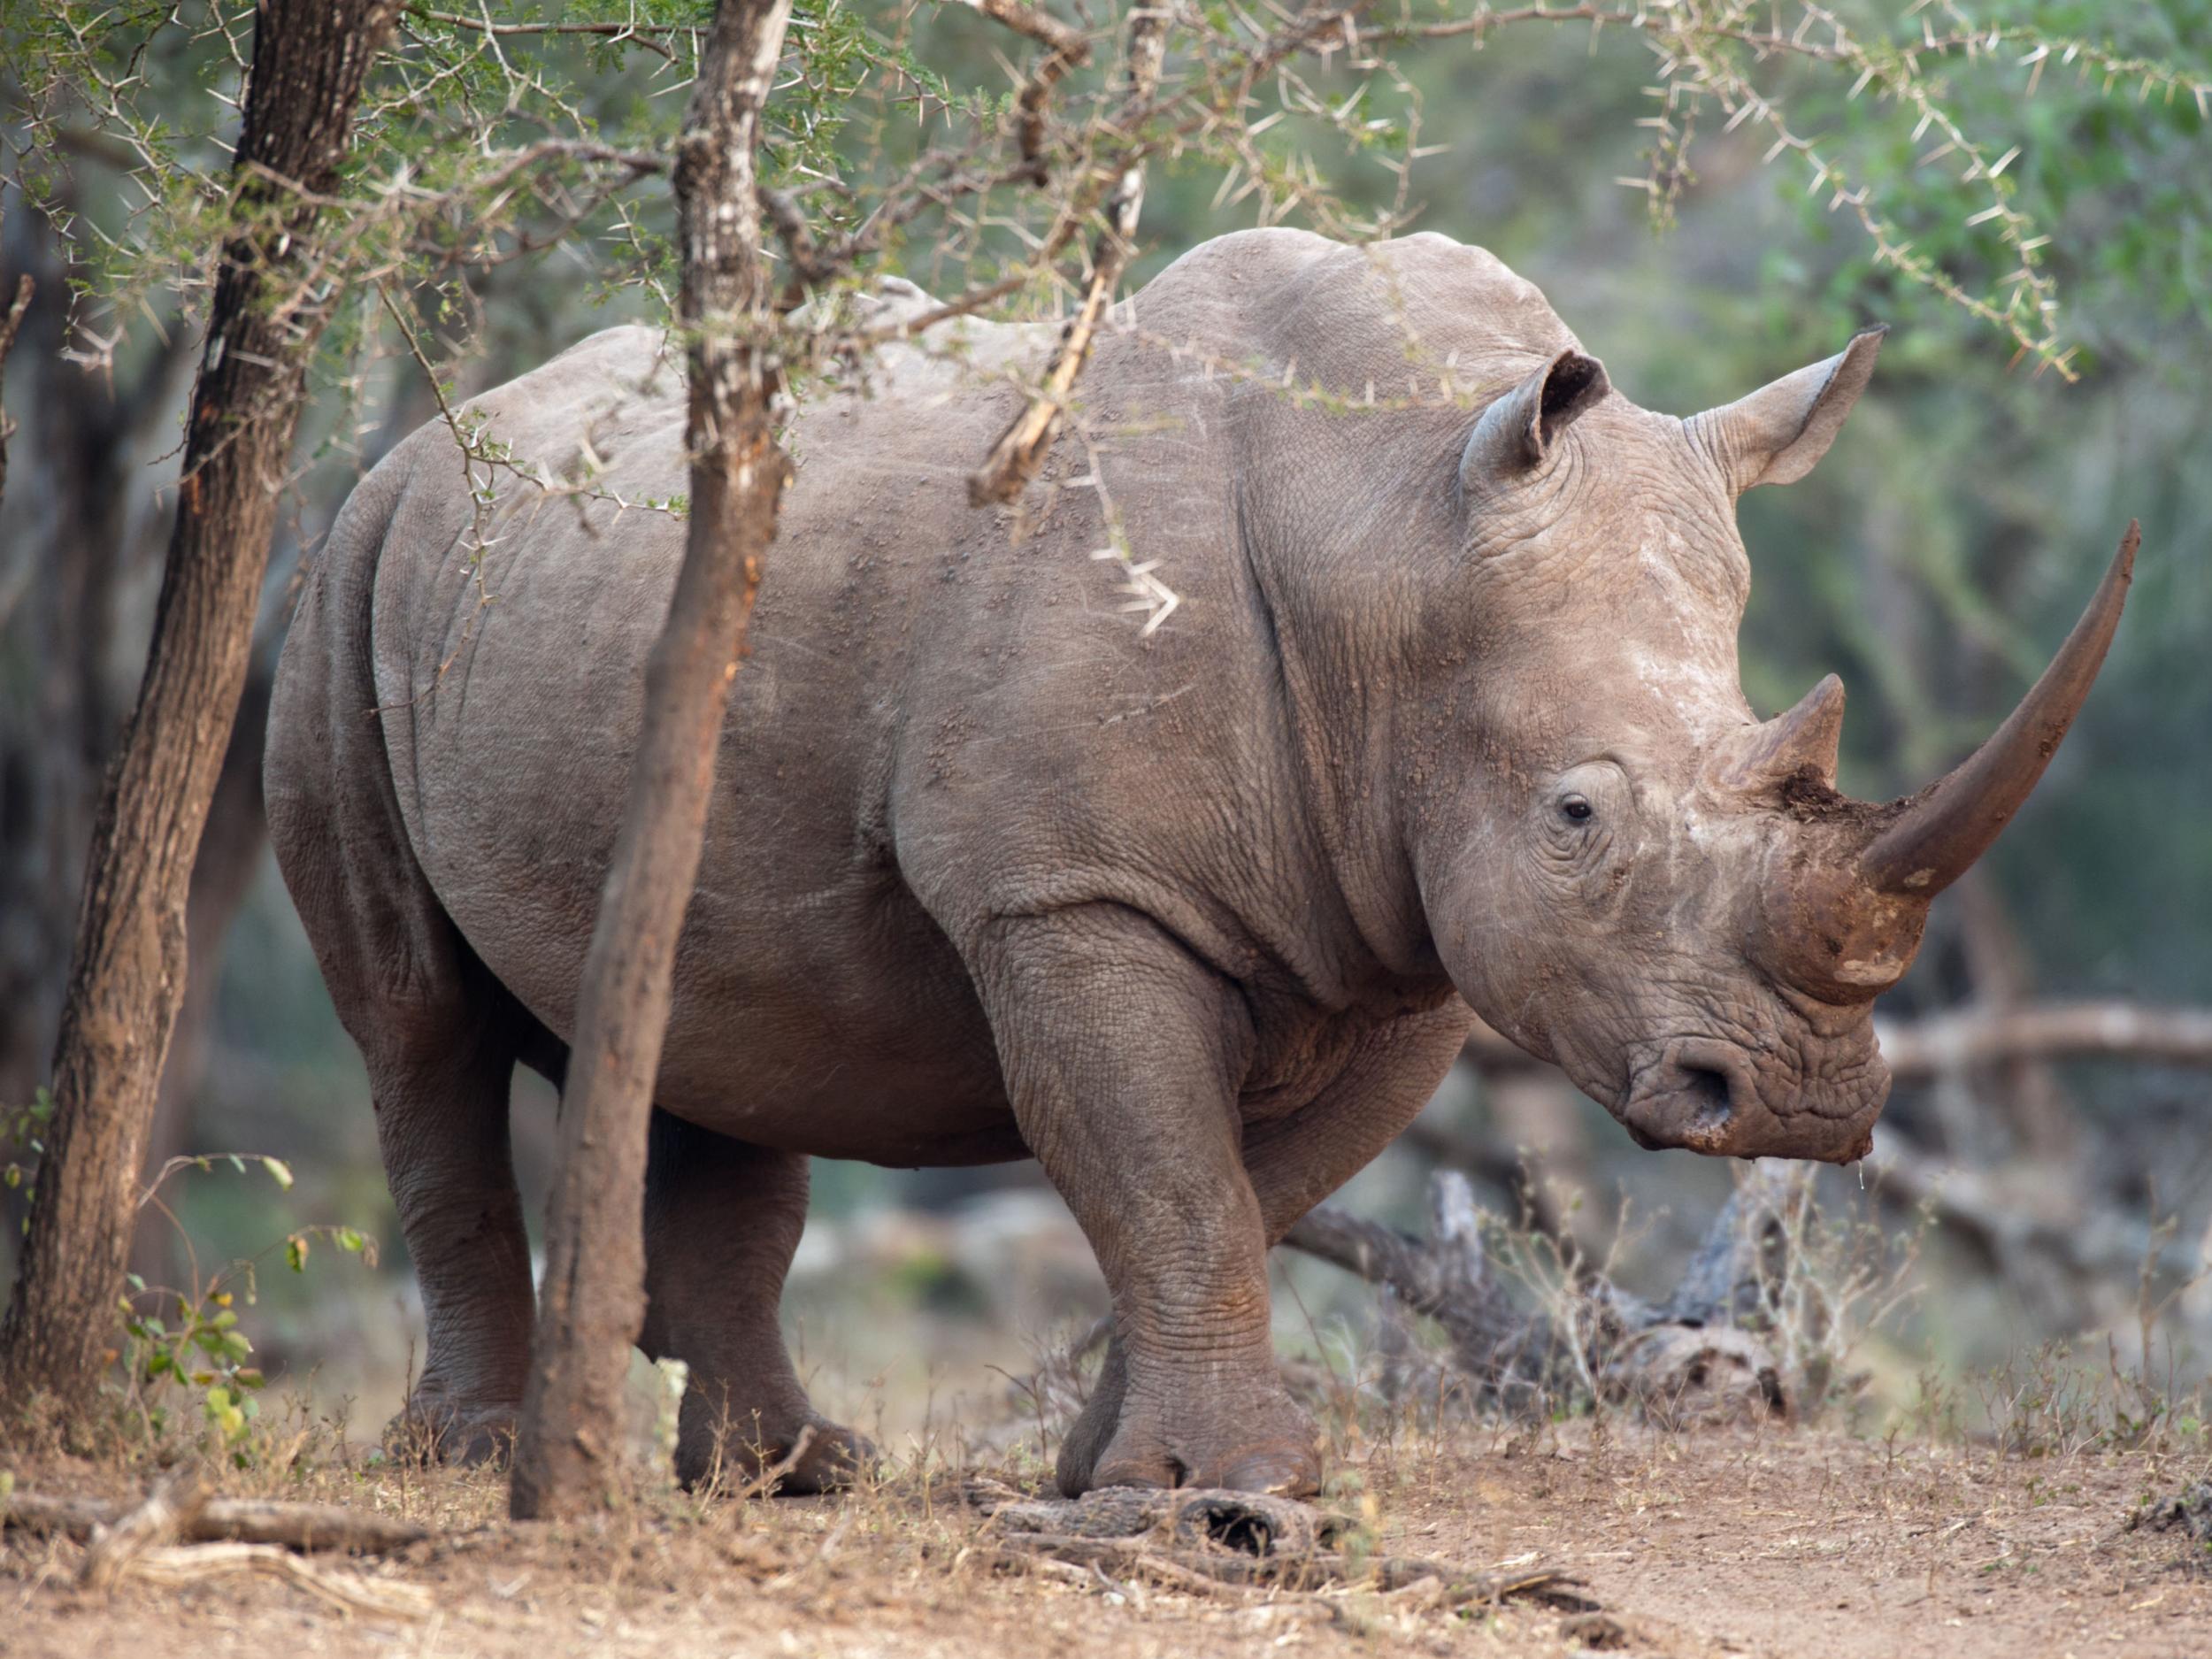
(1703, 1094)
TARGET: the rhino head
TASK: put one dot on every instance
(1637, 877)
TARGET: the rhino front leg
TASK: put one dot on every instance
(1295, 1163)
(722, 1221)
(1122, 1054)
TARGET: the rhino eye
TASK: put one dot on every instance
(1576, 808)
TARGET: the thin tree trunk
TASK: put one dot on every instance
(126, 975)
(11, 319)
(231, 848)
(592, 1305)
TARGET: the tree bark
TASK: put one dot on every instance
(126, 974)
(592, 1304)
(10, 320)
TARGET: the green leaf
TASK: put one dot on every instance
(349, 1241)
(279, 1171)
(295, 1252)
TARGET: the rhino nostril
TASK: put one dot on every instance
(1710, 1090)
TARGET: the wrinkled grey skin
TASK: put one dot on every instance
(1188, 917)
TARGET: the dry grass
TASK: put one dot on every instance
(1983, 1518)
(1783, 1542)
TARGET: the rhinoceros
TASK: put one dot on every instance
(1193, 904)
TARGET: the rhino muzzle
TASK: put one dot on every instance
(1704, 1095)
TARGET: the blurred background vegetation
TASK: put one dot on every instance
(1932, 560)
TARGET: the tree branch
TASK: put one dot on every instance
(1021, 450)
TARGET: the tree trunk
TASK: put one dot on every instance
(16, 305)
(592, 1304)
(231, 848)
(126, 975)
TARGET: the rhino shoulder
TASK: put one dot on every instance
(610, 385)
(1348, 313)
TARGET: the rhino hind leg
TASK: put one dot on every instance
(438, 1034)
(440, 1038)
(442, 1115)
(722, 1221)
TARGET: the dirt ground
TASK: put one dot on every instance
(1777, 1543)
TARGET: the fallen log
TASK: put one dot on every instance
(1967, 1038)
(1686, 1360)
(2021, 1239)
(167, 1508)
(300, 1526)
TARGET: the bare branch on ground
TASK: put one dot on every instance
(156, 1520)
(302, 1527)
(1210, 1541)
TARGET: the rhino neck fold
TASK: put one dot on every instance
(1335, 710)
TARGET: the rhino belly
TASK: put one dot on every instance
(816, 1007)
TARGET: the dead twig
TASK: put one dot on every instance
(1065, 49)
(302, 1527)
(765, 1482)
(193, 1563)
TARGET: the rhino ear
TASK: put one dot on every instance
(1775, 435)
(1518, 432)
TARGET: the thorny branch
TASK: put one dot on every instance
(504, 192)
(1014, 459)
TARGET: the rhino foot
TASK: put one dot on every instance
(1241, 1445)
(832, 1458)
(433, 1428)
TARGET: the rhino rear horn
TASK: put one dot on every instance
(1518, 432)
(1799, 743)
(1775, 435)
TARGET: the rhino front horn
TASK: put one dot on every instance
(1945, 828)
